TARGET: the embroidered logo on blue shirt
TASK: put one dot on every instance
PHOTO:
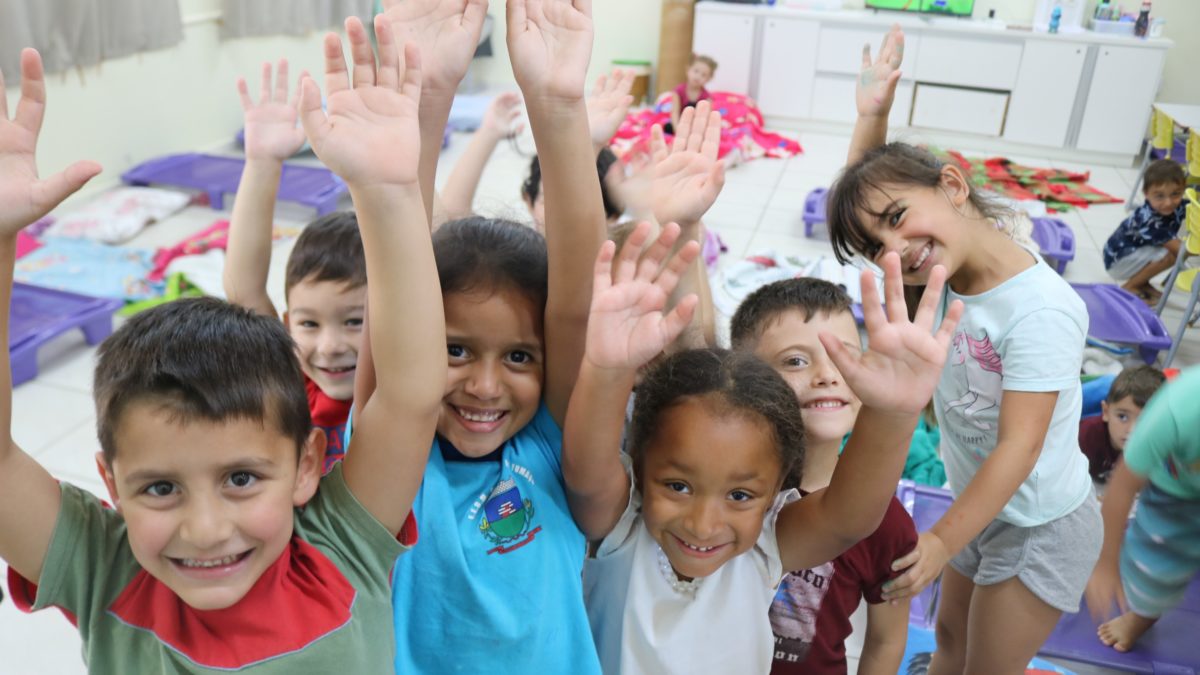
(507, 518)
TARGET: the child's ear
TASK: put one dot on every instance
(286, 324)
(1104, 410)
(956, 185)
(308, 473)
(110, 483)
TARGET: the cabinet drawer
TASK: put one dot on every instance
(833, 100)
(840, 51)
(952, 109)
(977, 62)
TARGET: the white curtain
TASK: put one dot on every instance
(72, 33)
(247, 18)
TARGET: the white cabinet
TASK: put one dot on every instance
(730, 40)
(840, 50)
(1123, 85)
(971, 111)
(1040, 110)
(788, 66)
(978, 62)
(833, 100)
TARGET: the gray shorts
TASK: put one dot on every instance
(1124, 268)
(1053, 560)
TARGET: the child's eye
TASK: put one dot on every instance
(677, 486)
(354, 323)
(740, 496)
(894, 218)
(242, 479)
(160, 489)
(456, 351)
(309, 323)
(520, 357)
(795, 362)
(1122, 418)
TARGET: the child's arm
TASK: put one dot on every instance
(887, 635)
(607, 106)
(874, 92)
(676, 103)
(688, 178)
(370, 139)
(893, 378)
(1104, 586)
(446, 33)
(271, 137)
(1024, 420)
(458, 193)
(29, 496)
(550, 44)
(627, 329)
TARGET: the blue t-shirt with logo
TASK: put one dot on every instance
(495, 584)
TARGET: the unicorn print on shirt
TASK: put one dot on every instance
(976, 366)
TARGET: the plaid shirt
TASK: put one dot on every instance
(1144, 227)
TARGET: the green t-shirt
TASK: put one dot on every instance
(323, 607)
(1165, 445)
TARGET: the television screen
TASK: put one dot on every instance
(953, 7)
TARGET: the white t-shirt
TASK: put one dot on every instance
(1025, 335)
(643, 625)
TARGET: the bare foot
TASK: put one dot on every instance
(1152, 294)
(1122, 632)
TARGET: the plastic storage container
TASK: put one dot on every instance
(1113, 27)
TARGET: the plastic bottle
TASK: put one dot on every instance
(1143, 20)
(1055, 17)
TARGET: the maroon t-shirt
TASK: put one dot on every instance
(1095, 442)
(329, 415)
(811, 612)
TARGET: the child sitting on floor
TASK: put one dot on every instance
(1102, 437)
(221, 553)
(699, 73)
(1147, 242)
(780, 323)
(325, 284)
(1149, 573)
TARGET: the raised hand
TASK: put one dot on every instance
(23, 196)
(500, 118)
(627, 326)
(550, 44)
(446, 32)
(271, 129)
(608, 105)
(688, 177)
(921, 567)
(370, 134)
(876, 86)
(904, 359)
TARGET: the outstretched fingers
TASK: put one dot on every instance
(658, 144)
(669, 276)
(603, 270)
(873, 317)
(627, 259)
(652, 259)
(360, 51)
(337, 79)
(410, 84)
(893, 288)
(32, 104)
(281, 81)
(683, 130)
(388, 74)
(49, 192)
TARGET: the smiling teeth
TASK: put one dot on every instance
(702, 549)
(480, 417)
(207, 564)
(921, 259)
(825, 404)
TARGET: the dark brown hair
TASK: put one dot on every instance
(894, 165)
(201, 359)
(739, 383)
(1138, 383)
(329, 249)
(807, 295)
(489, 254)
(1163, 172)
(605, 160)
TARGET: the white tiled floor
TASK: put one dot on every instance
(759, 209)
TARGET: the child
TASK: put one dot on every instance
(1147, 242)
(221, 553)
(497, 586)
(810, 616)
(1024, 529)
(699, 73)
(325, 284)
(694, 532)
(499, 122)
(1102, 438)
(1161, 553)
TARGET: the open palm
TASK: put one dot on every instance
(370, 133)
(24, 196)
(903, 362)
(271, 131)
(876, 86)
(687, 178)
(608, 105)
(627, 326)
(446, 32)
(550, 45)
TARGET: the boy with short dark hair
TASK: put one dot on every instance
(1102, 437)
(325, 285)
(780, 323)
(220, 552)
(1147, 242)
